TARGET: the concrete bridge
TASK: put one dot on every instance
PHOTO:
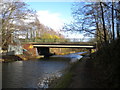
(43, 47)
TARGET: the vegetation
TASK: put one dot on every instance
(49, 37)
(64, 81)
(21, 23)
(107, 61)
(97, 19)
(101, 20)
(105, 64)
(12, 17)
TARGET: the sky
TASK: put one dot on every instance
(54, 15)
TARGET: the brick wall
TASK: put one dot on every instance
(31, 49)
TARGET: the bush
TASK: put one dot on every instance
(107, 60)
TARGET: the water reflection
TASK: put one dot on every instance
(31, 74)
(35, 73)
(74, 57)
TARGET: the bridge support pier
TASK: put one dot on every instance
(90, 51)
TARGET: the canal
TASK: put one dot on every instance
(34, 73)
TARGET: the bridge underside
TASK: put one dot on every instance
(44, 49)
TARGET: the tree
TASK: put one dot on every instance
(113, 31)
(95, 18)
(87, 19)
(118, 19)
(12, 15)
(103, 23)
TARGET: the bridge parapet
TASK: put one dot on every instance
(57, 41)
(52, 40)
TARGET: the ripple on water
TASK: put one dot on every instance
(44, 82)
(32, 74)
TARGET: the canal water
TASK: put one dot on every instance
(34, 73)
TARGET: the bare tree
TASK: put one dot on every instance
(11, 15)
(112, 10)
(103, 22)
(95, 18)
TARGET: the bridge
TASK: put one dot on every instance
(43, 46)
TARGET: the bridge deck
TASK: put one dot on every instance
(64, 45)
(70, 43)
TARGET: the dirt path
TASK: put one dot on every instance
(85, 75)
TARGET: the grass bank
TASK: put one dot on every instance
(66, 79)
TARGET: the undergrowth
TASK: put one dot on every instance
(107, 61)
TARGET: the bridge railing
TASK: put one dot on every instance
(52, 40)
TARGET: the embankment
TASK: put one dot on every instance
(107, 61)
(99, 71)
(10, 58)
(25, 56)
(67, 78)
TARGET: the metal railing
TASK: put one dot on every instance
(52, 40)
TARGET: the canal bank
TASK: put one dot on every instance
(99, 71)
(72, 77)
(31, 53)
(11, 58)
(81, 74)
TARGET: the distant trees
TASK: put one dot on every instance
(47, 34)
(100, 19)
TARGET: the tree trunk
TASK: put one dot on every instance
(118, 21)
(113, 31)
(103, 21)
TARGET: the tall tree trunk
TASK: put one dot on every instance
(103, 21)
(117, 25)
(118, 20)
(98, 33)
(113, 31)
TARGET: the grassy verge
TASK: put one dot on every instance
(66, 79)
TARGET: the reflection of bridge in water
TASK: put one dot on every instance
(44, 45)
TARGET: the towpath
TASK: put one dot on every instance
(85, 75)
